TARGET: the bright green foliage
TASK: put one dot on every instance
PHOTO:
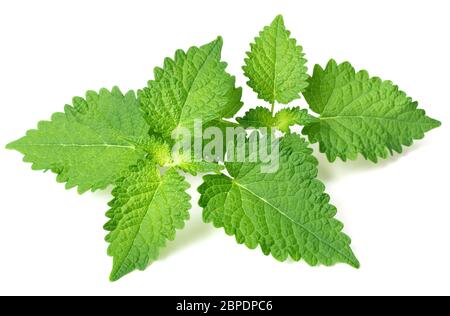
(196, 167)
(275, 65)
(147, 209)
(223, 125)
(286, 213)
(283, 120)
(91, 143)
(159, 150)
(191, 87)
(359, 114)
(257, 118)
(111, 138)
(286, 118)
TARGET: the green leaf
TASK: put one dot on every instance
(257, 118)
(193, 86)
(286, 213)
(158, 149)
(91, 143)
(359, 114)
(146, 211)
(275, 65)
(283, 120)
(286, 118)
(196, 167)
(223, 125)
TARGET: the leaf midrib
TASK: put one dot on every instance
(84, 145)
(156, 191)
(275, 63)
(188, 92)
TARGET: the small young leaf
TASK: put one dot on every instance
(158, 149)
(191, 87)
(196, 167)
(286, 213)
(91, 143)
(275, 65)
(286, 118)
(283, 120)
(146, 211)
(257, 118)
(359, 114)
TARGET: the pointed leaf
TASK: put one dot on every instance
(359, 114)
(286, 213)
(193, 86)
(91, 143)
(146, 211)
(275, 65)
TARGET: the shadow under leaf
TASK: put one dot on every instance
(194, 231)
(329, 171)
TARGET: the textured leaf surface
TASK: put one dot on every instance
(222, 125)
(161, 152)
(192, 86)
(287, 118)
(145, 213)
(359, 114)
(286, 213)
(196, 167)
(283, 120)
(158, 149)
(256, 118)
(91, 143)
(275, 65)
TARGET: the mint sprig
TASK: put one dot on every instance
(111, 138)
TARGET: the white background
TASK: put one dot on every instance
(397, 212)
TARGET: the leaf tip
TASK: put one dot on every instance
(10, 146)
(114, 277)
(117, 273)
(278, 20)
(355, 264)
(14, 145)
(353, 261)
(436, 123)
(217, 42)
